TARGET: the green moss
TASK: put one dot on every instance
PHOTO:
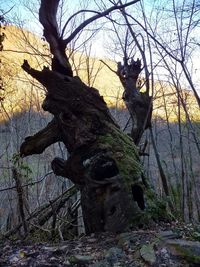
(125, 154)
(150, 215)
(156, 207)
(187, 254)
(39, 236)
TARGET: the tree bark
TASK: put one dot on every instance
(103, 163)
(139, 104)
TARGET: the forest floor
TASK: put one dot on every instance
(162, 246)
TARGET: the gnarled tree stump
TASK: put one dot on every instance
(103, 163)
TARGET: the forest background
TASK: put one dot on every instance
(166, 36)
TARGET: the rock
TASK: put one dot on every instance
(113, 258)
(6, 248)
(91, 240)
(80, 259)
(148, 254)
(188, 250)
(113, 255)
(53, 260)
(133, 249)
(50, 249)
(164, 257)
(127, 240)
(168, 235)
(67, 263)
(102, 263)
(14, 259)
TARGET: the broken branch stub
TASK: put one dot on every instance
(139, 104)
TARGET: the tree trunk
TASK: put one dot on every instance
(103, 163)
(139, 104)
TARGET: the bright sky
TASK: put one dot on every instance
(26, 13)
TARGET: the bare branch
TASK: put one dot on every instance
(108, 67)
(74, 15)
(28, 184)
(26, 53)
(96, 17)
(6, 12)
(154, 39)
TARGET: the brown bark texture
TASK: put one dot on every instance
(103, 163)
(139, 104)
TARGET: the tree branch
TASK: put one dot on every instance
(42, 210)
(37, 143)
(96, 17)
(74, 15)
(47, 17)
(28, 184)
(108, 66)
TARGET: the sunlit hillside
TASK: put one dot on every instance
(22, 92)
(171, 149)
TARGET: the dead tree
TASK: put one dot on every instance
(103, 163)
(139, 104)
